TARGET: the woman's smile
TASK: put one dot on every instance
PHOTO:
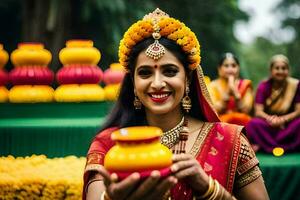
(159, 97)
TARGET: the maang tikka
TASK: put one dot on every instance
(155, 50)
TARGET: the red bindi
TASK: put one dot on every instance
(155, 66)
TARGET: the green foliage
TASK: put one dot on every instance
(212, 21)
(255, 58)
(107, 20)
(290, 11)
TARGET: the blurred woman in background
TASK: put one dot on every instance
(232, 96)
(277, 110)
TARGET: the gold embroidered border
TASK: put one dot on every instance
(200, 138)
(234, 159)
(248, 165)
(93, 167)
(204, 90)
(248, 177)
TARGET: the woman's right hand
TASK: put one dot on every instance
(132, 187)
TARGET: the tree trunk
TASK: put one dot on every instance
(47, 22)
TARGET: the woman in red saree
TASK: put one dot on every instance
(164, 87)
(232, 96)
(277, 110)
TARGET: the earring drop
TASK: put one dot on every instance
(186, 101)
(137, 103)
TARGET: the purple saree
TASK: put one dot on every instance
(260, 132)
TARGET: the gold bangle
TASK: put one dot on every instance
(210, 189)
(215, 191)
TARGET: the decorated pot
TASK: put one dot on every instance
(79, 93)
(31, 75)
(138, 149)
(3, 77)
(31, 94)
(112, 92)
(30, 54)
(79, 74)
(79, 52)
(114, 74)
(3, 56)
(3, 94)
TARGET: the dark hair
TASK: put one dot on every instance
(124, 114)
(228, 55)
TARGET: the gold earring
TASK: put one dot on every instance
(186, 101)
(137, 103)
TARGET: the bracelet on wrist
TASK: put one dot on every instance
(209, 191)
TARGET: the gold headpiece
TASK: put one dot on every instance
(158, 24)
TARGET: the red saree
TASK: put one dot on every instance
(216, 148)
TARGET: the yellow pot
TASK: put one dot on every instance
(3, 94)
(112, 92)
(3, 56)
(30, 54)
(79, 52)
(137, 149)
(79, 93)
(31, 94)
(116, 67)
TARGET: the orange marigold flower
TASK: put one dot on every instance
(168, 27)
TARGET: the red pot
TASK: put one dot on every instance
(3, 77)
(79, 74)
(113, 76)
(31, 75)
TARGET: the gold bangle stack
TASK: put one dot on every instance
(215, 191)
(212, 191)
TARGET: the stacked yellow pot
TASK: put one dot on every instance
(3, 75)
(113, 77)
(31, 78)
(80, 76)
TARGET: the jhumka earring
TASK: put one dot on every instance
(186, 101)
(137, 103)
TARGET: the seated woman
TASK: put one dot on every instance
(232, 96)
(164, 87)
(277, 110)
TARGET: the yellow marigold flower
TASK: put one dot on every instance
(168, 27)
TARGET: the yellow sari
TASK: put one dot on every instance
(226, 105)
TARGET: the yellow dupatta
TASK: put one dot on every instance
(281, 100)
(219, 87)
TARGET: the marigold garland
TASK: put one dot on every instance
(37, 177)
(169, 28)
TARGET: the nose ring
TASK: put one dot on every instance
(163, 84)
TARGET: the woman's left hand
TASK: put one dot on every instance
(185, 166)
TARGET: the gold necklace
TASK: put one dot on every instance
(171, 137)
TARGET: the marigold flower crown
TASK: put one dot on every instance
(158, 24)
